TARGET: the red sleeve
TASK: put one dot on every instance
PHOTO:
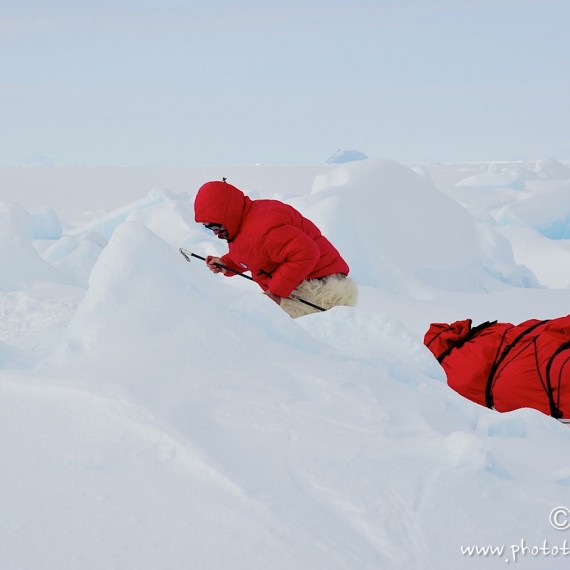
(296, 255)
(227, 261)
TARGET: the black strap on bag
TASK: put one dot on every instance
(555, 411)
(500, 357)
(469, 336)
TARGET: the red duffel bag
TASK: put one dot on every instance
(505, 366)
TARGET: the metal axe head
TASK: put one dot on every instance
(185, 254)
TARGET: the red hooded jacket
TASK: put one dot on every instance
(270, 239)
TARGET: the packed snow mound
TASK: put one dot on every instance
(22, 265)
(108, 471)
(365, 208)
(75, 255)
(552, 170)
(158, 209)
(545, 209)
(46, 224)
(500, 176)
(167, 214)
(549, 258)
(533, 216)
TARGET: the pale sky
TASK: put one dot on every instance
(207, 82)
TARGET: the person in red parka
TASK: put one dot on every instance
(285, 253)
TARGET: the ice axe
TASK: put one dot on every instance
(188, 254)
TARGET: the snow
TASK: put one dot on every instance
(154, 415)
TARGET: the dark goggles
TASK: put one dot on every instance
(213, 227)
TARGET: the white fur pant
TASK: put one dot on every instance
(325, 292)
